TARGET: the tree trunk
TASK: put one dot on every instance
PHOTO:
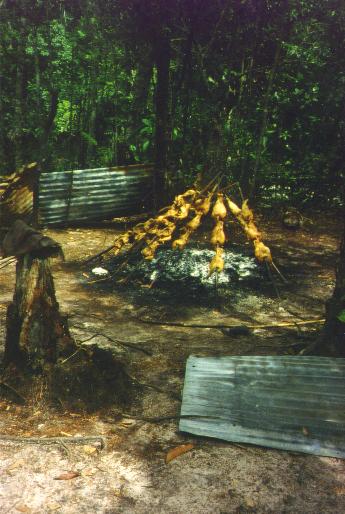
(252, 180)
(48, 125)
(36, 331)
(141, 90)
(162, 54)
(332, 341)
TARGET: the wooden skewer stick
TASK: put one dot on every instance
(279, 272)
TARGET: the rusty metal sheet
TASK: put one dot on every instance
(286, 402)
(92, 194)
(17, 194)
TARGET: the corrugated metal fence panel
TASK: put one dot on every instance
(290, 402)
(93, 194)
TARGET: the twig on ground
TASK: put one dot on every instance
(124, 344)
(71, 356)
(159, 419)
(156, 388)
(55, 440)
(120, 343)
(250, 327)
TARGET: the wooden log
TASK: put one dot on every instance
(36, 331)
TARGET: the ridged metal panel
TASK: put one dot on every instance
(17, 198)
(290, 402)
(92, 194)
(19, 203)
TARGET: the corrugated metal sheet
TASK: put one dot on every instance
(290, 402)
(92, 194)
(17, 194)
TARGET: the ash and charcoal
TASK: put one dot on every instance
(186, 272)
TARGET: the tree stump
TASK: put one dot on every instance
(86, 378)
(36, 331)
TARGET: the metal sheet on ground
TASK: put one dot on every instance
(287, 402)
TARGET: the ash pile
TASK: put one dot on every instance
(184, 273)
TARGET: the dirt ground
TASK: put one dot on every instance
(129, 474)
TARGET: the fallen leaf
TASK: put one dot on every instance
(68, 476)
(21, 507)
(88, 449)
(53, 506)
(179, 450)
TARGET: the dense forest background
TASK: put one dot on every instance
(252, 88)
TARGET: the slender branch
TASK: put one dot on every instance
(55, 440)
(250, 327)
(124, 344)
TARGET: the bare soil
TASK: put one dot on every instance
(130, 473)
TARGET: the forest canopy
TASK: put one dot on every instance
(252, 88)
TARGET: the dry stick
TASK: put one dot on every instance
(279, 273)
(229, 186)
(219, 176)
(55, 440)
(240, 191)
(121, 343)
(157, 419)
(156, 388)
(134, 245)
(272, 280)
(99, 254)
(251, 327)
(71, 356)
(116, 341)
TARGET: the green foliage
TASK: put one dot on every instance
(341, 316)
(257, 92)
